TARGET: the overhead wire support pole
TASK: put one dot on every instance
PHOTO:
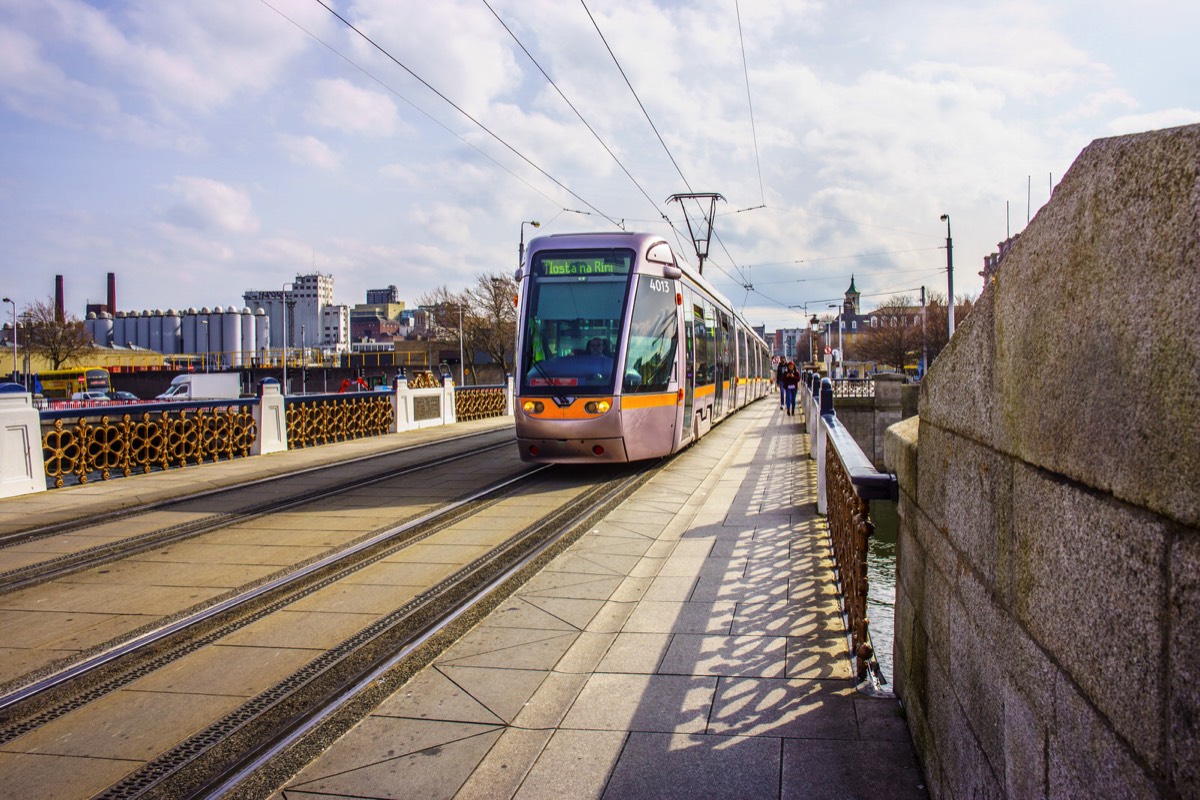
(701, 236)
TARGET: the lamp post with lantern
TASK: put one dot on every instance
(521, 248)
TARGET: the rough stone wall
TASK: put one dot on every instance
(1048, 597)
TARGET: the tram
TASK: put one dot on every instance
(624, 352)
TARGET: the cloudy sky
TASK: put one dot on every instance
(198, 150)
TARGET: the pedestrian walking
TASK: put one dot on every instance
(779, 370)
(790, 381)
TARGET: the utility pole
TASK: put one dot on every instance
(924, 352)
(949, 278)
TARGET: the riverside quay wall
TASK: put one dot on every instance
(1048, 578)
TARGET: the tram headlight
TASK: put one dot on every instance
(533, 407)
(597, 406)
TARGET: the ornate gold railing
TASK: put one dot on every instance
(480, 402)
(90, 448)
(337, 418)
(423, 380)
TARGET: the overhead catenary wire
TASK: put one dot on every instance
(407, 102)
(571, 105)
(750, 103)
(645, 113)
(462, 111)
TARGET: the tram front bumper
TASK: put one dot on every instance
(572, 451)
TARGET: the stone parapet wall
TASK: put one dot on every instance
(1048, 586)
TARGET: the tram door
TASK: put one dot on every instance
(689, 360)
(721, 323)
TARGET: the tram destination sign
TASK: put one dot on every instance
(571, 265)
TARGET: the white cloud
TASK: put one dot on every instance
(311, 152)
(342, 105)
(210, 206)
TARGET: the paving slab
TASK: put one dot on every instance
(690, 646)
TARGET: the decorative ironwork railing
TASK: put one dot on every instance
(853, 387)
(85, 446)
(82, 444)
(325, 418)
(849, 482)
(480, 402)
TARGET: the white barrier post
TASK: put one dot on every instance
(449, 409)
(22, 468)
(270, 419)
(401, 405)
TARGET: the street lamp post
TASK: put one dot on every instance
(204, 322)
(462, 364)
(303, 362)
(814, 326)
(14, 334)
(841, 353)
(949, 278)
(521, 249)
(285, 334)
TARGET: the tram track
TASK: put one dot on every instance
(101, 554)
(37, 532)
(31, 709)
(334, 691)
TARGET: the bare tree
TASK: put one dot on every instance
(894, 338)
(937, 321)
(489, 319)
(493, 318)
(56, 341)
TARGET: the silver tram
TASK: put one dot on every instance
(624, 352)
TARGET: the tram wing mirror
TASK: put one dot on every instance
(519, 274)
(661, 254)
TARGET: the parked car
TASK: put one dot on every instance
(124, 397)
(91, 395)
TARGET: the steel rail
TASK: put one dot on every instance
(159, 634)
(98, 555)
(68, 526)
(308, 720)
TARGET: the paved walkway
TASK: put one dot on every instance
(691, 646)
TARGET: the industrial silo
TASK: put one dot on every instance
(246, 320)
(231, 337)
(104, 329)
(262, 335)
(202, 337)
(188, 330)
(156, 328)
(143, 330)
(172, 338)
(215, 345)
(119, 337)
(89, 326)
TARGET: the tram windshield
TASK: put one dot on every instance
(573, 320)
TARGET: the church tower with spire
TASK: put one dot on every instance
(850, 305)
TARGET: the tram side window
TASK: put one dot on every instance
(706, 343)
(653, 337)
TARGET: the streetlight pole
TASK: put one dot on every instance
(924, 351)
(949, 277)
(462, 365)
(285, 334)
(14, 334)
(204, 322)
(303, 362)
(521, 249)
(841, 354)
(814, 326)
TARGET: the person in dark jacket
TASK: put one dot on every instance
(790, 381)
(779, 370)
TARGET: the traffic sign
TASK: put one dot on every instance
(828, 351)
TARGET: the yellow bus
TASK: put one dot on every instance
(62, 383)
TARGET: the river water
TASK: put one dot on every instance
(881, 583)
